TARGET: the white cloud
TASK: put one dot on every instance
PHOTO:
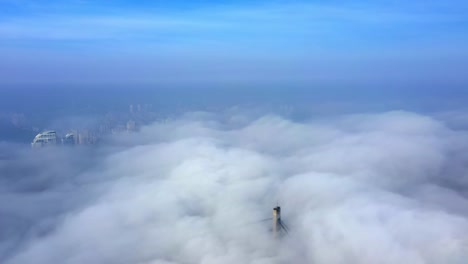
(375, 188)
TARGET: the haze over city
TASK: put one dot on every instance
(322, 132)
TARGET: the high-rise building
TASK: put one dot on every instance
(131, 126)
(44, 139)
(69, 139)
(83, 137)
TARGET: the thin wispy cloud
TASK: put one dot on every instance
(265, 20)
(302, 36)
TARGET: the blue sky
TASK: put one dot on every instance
(307, 42)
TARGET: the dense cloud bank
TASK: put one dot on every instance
(375, 188)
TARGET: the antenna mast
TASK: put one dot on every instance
(276, 221)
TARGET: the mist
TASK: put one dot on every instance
(387, 187)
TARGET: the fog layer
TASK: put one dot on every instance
(374, 188)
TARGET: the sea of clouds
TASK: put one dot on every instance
(372, 188)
